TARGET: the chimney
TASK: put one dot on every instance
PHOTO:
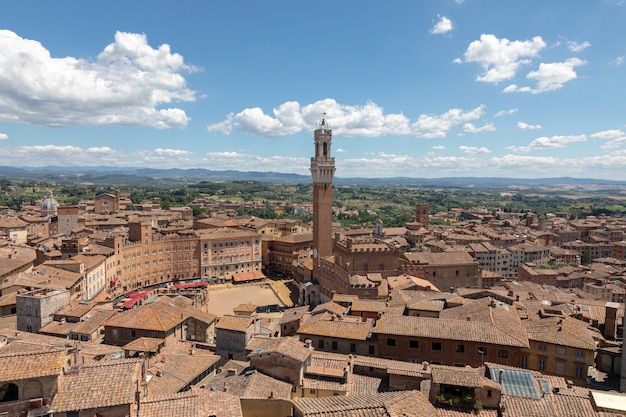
(307, 343)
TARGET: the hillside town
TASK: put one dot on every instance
(145, 312)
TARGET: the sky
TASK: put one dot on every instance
(423, 89)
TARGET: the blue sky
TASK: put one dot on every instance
(524, 89)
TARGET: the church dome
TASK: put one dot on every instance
(49, 204)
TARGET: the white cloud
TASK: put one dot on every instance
(368, 120)
(549, 143)
(340, 150)
(429, 127)
(526, 126)
(444, 25)
(577, 46)
(473, 150)
(619, 60)
(4, 136)
(501, 58)
(608, 134)
(438, 147)
(126, 85)
(505, 112)
(549, 77)
(470, 128)
(615, 138)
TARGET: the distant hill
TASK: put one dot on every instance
(175, 176)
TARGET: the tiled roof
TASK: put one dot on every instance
(106, 384)
(234, 323)
(286, 346)
(31, 364)
(177, 370)
(462, 377)
(445, 329)
(377, 306)
(563, 331)
(196, 402)
(337, 328)
(251, 384)
(161, 315)
(388, 404)
(390, 365)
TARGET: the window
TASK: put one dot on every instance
(524, 361)
(371, 349)
(133, 333)
(580, 354)
(543, 348)
(436, 346)
(334, 345)
(503, 353)
(352, 347)
(414, 344)
(560, 368)
(488, 393)
(391, 342)
(541, 364)
(560, 350)
(320, 344)
(578, 372)
(459, 348)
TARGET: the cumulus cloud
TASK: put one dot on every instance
(428, 126)
(438, 147)
(577, 46)
(368, 120)
(619, 60)
(4, 136)
(444, 25)
(506, 112)
(340, 150)
(44, 155)
(129, 84)
(615, 138)
(549, 143)
(549, 77)
(473, 150)
(501, 58)
(470, 128)
(526, 126)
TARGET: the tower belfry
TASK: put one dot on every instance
(322, 172)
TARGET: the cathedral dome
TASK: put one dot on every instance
(49, 204)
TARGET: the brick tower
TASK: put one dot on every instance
(322, 172)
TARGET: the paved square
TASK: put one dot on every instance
(223, 301)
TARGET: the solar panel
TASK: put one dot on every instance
(517, 382)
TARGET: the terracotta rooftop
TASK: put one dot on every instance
(341, 329)
(462, 330)
(172, 372)
(564, 331)
(387, 404)
(462, 377)
(196, 402)
(106, 384)
(33, 363)
(234, 323)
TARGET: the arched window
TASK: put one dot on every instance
(8, 392)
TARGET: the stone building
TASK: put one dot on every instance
(35, 309)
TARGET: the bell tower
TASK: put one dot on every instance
(322, 172)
